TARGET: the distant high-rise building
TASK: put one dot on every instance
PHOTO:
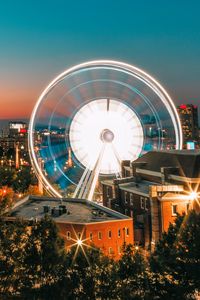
(188, 114)
(14, 145)
(17, 128)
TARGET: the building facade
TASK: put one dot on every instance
(81, 221)
(159, 188)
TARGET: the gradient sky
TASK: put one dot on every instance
(40, 39)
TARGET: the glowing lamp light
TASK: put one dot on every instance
(79, 242)
(193, 195)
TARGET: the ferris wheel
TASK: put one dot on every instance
(93, 116)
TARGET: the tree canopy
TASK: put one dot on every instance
(34, 264)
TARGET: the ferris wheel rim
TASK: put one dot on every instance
(154, 85)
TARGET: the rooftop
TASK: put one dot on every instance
(140, 188)
(188, 161)
(78, 210)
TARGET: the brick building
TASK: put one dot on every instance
(158, 187)
(81, 220)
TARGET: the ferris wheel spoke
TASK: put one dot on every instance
(108, 105)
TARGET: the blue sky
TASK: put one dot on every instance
(39, 39)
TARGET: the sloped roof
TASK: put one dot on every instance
(187, 160)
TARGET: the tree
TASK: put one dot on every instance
(45, 254)
(175, 264)
(33, 190)
(6, 176)
(13, 237)
(22, 180)
(6, 199)
(132, 282)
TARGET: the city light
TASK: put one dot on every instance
(194, 195)
(79, 242)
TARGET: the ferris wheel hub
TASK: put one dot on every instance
(107, 136)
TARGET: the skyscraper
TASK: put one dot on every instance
(188, 114)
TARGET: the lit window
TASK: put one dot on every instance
(131, 199)
(109, 234)
(68, 235)
(174, 209)
(99, 235)
(110, 250)
(91, 236)
(127, 231)
(119, 233)
(142, 202)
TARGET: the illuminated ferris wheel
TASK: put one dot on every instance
(93, 116)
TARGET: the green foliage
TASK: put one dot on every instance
(7, 176)
(175, 264)
(35, 265)
(19, 180)
(6, 199)
(132, 275)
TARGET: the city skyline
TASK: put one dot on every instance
(40, 41)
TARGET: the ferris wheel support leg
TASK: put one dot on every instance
(81, 182)
(95, 174)
(84, 185)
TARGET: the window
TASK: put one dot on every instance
(79, 235)
(127, 231)
(110, 250)
(91, 236)
(131, 199)
(174, 209)
(142, 202)
(68, 235)
(108, 191)
(99, 235)
(126, 197)
(109, 234)
(119, 233)
(146, 204)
